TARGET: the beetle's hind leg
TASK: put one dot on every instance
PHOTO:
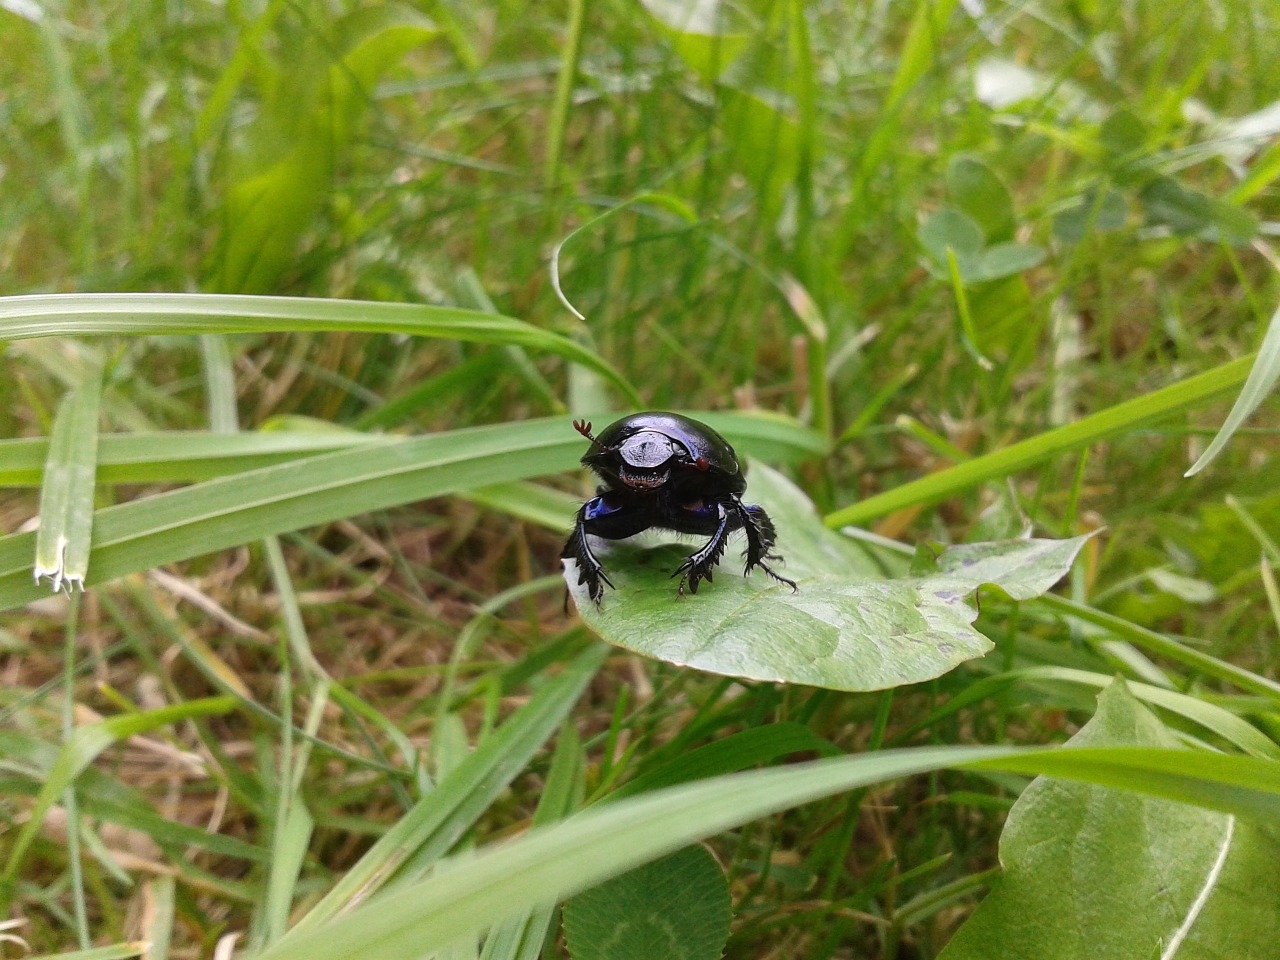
(761, 536)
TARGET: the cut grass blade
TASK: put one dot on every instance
(1266, 369)
(137, 314)
(230, 511)
(66, 496)
(1001, 463)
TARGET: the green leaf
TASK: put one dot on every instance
(949, 228)
(979, 193)
(845, 628)
(233, 510)
(1004, 260)
(1188, 212)
(1097, 426)
(522, 938)
(1266, 369)
(178, 457)
(1096, 873)
(1101, 210)
(708, 35)
(436, 822)
(676, 908)
(87, 743)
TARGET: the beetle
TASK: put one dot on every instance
(667, 472)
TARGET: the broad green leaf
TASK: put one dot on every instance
(845, 627)
(1188, 212)
(980, 193)
(1004, 260)
(137, 314)
(675, 908)
(949, 228)
(1100, 210)
(1095, 873)
(465, 896)
(66, 494)
(1266, 369)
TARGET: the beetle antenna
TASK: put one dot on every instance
(584, 428)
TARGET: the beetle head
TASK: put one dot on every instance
(645, 459)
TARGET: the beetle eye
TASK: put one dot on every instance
(702, 464)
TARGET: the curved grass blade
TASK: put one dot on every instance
(134, 314)
(465, 897)
(1266, 369)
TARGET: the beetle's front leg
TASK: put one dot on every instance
(605, 517)
(699, 566)
(761, 537)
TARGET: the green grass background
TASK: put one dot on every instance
(751, 210)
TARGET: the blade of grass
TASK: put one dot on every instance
(1158, 643)
(190, 456)
(558, 122)
(136, 314)
(435, 823)
(1266, 369)
(522, 938)
(79, 909)
(85, 745)
(464, 898)
(234, 510)
(1001, 463)
(120, 951)
(176, 457)
(66, 496)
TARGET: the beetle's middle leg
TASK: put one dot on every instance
(699, 566)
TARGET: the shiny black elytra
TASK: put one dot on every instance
(668, 472)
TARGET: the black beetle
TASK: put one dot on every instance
(666, 471)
